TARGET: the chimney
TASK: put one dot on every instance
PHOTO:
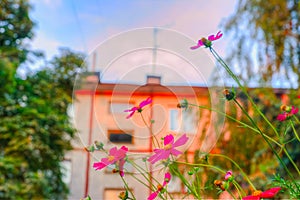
(153, 79)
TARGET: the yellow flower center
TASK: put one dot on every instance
(168, 146)
(110, 158)
(122, 195)
(283, 107)
(256, 193)
(159, 187)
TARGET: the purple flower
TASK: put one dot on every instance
(169, 148)
(114, 156)
(207, 42)
(138, 108)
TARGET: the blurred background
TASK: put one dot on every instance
(44, 44)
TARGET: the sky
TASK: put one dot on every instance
(85, 25)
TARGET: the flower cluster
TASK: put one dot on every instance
(168, 151)
(288, 112)
(224, 185)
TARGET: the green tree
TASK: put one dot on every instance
(266, 40)
(15, 29)
(35, 130)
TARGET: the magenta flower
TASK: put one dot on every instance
(207, 42)
(160, 187)
(228, 175)
(288, 112)
(169, 148)
(114, 156)
(257, 195)
(139, 108)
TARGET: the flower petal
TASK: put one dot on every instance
(113, 151)
(294, 110)
(167, 178)
(270, 193)
(215, 37)
(200, 43)
(282, 117)
(99, 165)
(169, 139)
(251, 198)
(181, 141)
(175, 152)
(145, 102)
(121, 167)
(160, 154)
(153, 195)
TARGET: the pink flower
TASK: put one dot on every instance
(257, 195)
(288, 112)
(207, 42)
(169, 148)
(160, 187)
(114, 156)
(139, 108)
(228, 175)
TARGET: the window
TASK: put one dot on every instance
(118, 108)
(118, 136)
(189, 120)
(128, 168)
(173, 119)
(184, 120)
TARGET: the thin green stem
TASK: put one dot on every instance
(127, 188)
(238, 121)
(231, 194)
(294, 130)
(237, 165)
(226, 67)
(142, 172)
(239, 189)
(268, 142)
(296, 118)
(191, 189)
(208, 166)
(222, 62)
(150, 130)
(291, 160)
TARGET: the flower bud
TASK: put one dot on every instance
(229, 95)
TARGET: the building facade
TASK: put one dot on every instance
(99, 116)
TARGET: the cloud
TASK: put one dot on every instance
(43, 42)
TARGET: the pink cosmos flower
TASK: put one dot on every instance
(139, 108)
(160, 187)
(288, 112)
(207, 42)
(228, 175)
(169, 148)
(114, 156)
(257, 195)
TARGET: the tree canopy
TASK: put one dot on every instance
(35, 130)
(266, 40)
